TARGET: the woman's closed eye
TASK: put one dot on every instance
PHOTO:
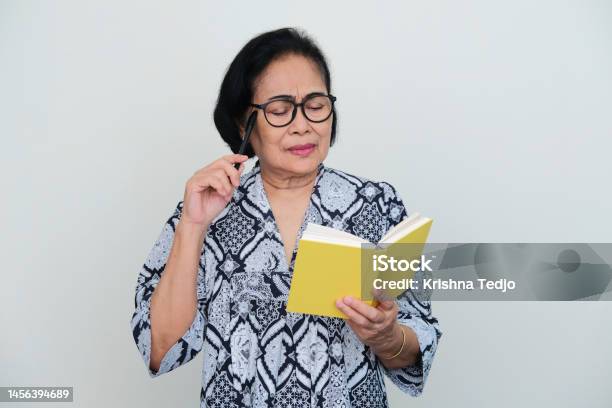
(279, 108)
(279, 112)
(314, 108)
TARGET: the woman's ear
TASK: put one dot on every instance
(242, 122)
(240, 129)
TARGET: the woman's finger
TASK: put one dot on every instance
(386, 304)
(235, 158)
(230, 158)
(221, 176)
(371, 313)
(353, 315)
(200, 182)
(232, 173)
(381, 295)
(213, 181)
(216, 184)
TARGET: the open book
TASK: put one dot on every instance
(328, 264)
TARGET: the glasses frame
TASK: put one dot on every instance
(263, 106)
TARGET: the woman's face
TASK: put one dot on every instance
(298, 148)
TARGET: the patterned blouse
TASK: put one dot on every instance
(256, 354)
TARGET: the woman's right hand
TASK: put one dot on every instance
(209, 190)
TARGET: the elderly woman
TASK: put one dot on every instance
(217, 279)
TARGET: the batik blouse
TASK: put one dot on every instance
(256, 354)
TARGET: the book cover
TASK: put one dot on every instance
(328, 265)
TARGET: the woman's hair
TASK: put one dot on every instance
(237, 90)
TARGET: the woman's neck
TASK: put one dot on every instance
(287, 185)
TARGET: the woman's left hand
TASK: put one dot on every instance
(377, 327)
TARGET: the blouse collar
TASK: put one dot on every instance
(259, 193)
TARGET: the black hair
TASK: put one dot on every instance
(236, 90)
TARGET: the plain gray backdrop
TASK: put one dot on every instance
(492, 117)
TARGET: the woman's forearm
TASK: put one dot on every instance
(174, 300)
(410, 352)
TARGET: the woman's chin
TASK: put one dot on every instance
(303, 165)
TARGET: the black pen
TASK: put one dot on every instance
(249, 128)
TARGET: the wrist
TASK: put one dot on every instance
(393, 344)
(190, 229)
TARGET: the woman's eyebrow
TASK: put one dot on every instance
(281, 97)
(293, 97)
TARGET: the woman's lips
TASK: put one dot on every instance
(302, 150)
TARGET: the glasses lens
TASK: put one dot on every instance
(278, 113)
(318, 108)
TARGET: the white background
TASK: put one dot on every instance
(493, 118)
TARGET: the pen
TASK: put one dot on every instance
(249, 128)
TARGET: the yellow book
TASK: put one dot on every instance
(328, 264)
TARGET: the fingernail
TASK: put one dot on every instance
(348, 300)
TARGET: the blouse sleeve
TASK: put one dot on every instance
(191, 342)
(413, 313)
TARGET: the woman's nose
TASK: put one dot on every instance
(299, 124)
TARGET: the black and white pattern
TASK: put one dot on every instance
(255, 353)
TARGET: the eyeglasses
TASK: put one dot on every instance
(281, 112)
